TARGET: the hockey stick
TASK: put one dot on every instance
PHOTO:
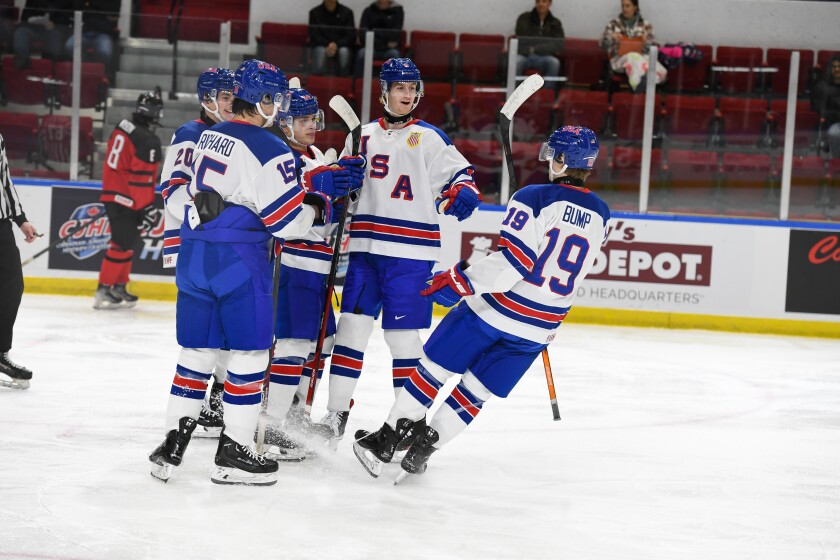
(275, 292)
(525, 90)
(340, 106)
(70, 233)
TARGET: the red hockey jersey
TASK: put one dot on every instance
(131, 166)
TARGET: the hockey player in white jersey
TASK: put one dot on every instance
(514, 300)
(215, 95)
(414, 172)
(305, 266)
(245, 191)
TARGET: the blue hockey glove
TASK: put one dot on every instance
(459, 200)
(323, 206)
(356, 166)
(448, 287)
(334, 182)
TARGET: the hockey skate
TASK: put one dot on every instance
(410, 436)
(105, 299)
(128, 299)
(415, 461)
(13, 375)
(331, 427)
(170, 453)
(298, 421)
(280, 447)
(377, 448)
(211, 421)
(239, 464)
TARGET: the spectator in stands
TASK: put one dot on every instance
(540, 37)
(99, 28)
(826, 102)
(332, 34)
(49, 22)
(385, 19)
(627, 40)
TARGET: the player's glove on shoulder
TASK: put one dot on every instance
(448, 287)
(459, 200)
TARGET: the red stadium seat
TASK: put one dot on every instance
(285, 46)
(688, 118)
(480, 57)
(629, 114)
(19, 131)
(528, 168)
(780, 59)
(691, 176)
(486, 157)
(582, 108)
(744, 120)
(478, 107)
(535, 118)
(94, 84)
(738, 57)
(627, 168)
(583, 61)
(327, 139)
(375, 94)
(18, 88)
(200, 21)
(432, 52)
(433, 106)
(824, 56)
(748, 183)
(54, 139)
(807, 122)
(691, 76)
(325, 87)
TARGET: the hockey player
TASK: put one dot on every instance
(245, 191)
(514, 302)
(128, 190)
(305, 266)
(414, 172)
(215, 95)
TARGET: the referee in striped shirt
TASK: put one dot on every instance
(11, 274)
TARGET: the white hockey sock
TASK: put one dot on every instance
(309, 366)
(348, 356)
(243, 393)
(460, 408)
(419, 394)
(220, 371)
(285, 376)
(406, 349)
(189, 385)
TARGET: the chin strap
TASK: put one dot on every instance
(552, 175)
(214, 113)
(269, 120)
(573, 181)
(391, 119)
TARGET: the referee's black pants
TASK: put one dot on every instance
(11, 284)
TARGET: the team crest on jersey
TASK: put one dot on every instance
(413, 139)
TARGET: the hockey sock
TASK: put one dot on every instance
(189, 385)
(220, 371)
(243, 393)
(460, 408)
(308, 367)
(112, 264)
(348, 355)
(421, 388)
(125, 269)
(285, 376)
(406, 349)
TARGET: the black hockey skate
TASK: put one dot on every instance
(128, 299)
(13, 375)
(170, 453)
(410, 435)
(211, 421)
(332, 426)
(415, 461)
(239, 464)
(105, 299)
(280, 447)
(374, 449)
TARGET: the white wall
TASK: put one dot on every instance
(766, 23)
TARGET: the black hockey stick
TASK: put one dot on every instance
(70, 233)
(340, 106)
(525, 90)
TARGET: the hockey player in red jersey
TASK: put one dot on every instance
(129, 177)
(514, 300)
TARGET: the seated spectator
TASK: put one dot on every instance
(49, 22)
(627, 40)
(332, 34)
(540, 37)
(825, 98)
(99, 27)
(385, 19)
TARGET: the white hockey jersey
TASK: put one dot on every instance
(550, 237)
(407, 169)
(251, 167)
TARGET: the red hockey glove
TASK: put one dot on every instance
(448, 287)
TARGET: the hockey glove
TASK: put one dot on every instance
(323, 208)
(356, 166)
(459, 200)
(149, 216)
(448, 287)
(332, 181)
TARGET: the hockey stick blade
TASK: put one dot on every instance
(345, 111)
(294, 83)
(525, 90)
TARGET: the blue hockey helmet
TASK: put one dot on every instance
(302, 104)
(213, 81)
(578, 146)
(399, 70)
(256, 81)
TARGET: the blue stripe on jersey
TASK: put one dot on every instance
(189, 132)
(308, 253)
(522, 318)
(395, 238)
(537, 197)
(440, 133)
(395, 222)
(522, 300)
(284, 198)
(285, 221)
(263, 144)
(519, 244)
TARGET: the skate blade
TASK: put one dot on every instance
(405, 474)
(106, 305)
(162, 472)
(227, 475)
(285, 455)
(371, 464)
(207, 433)
(20, 384)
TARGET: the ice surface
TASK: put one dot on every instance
(673, 445)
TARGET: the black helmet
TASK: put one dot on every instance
(150, 105)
